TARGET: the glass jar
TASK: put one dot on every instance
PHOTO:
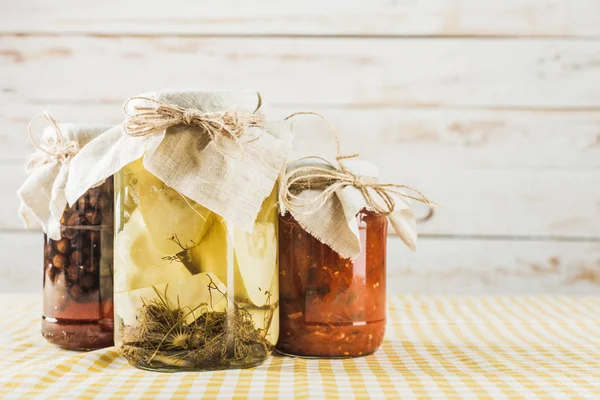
(78, 286)
(331, 306)
(191, 292)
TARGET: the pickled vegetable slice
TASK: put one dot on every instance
(210, 255)
(138, 263)
(256, 256)
(267, 317)
(268, 209)
(256, 260)
(168, 213)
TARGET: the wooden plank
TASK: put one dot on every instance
(301, 72)
(441, 266)
(309, 17)
(475, 202)
(412, 138)
(14, 119)
(12, 177)
(409, 139)
(507, 202)
(24, 268)
(495, 267)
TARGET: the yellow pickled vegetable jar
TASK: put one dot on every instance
(191, 291)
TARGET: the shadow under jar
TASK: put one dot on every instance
(78, 274)
(331, 306)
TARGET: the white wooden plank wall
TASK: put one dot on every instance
(491, 107)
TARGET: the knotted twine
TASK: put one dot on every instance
(185, 139)
(229, 126)
(314, 182)
(42, 194)
(52, 147)
(333, 177)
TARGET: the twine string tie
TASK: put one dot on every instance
(328, 178)
(55, 147)
(222, 127)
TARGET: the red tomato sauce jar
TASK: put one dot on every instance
(331, 306)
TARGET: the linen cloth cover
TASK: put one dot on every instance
(335, 222)
(42, 194)
(233, 184)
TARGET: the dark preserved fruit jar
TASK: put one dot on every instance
(78, 274)
(331, 306)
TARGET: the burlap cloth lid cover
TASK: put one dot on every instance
(325, 197)
(42, 194)
(213, 147)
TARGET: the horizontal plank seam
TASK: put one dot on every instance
(365, 36)
(521, 238)
(19, 161)
(426, 236)
(341, 106)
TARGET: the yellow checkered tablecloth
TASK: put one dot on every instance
(498, 347)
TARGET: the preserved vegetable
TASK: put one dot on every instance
(331, 306)
(191, 292)
(196, 278)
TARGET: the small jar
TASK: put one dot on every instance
(78, 274)
(331, 306)
(192, 293)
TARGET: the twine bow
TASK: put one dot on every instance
(331, 177)
(227, 125)
(51, 148)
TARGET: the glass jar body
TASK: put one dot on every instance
(191, 292)
(331, 306)
(78, 272)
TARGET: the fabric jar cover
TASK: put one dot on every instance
(230, 180)
(334, 222)
(42, 194)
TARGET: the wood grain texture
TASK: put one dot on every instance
(14, 119)
(491, 107)
(514, 202)
(409, 139)
(488, 267)
(301, 72)
(412, 138)
(24, 271)
(474, 202)
(566, 18)
(441, 266)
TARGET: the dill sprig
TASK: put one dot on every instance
(181, 254)
(163, 339)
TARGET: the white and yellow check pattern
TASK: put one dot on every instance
(436, 347)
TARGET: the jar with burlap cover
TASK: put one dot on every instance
(78, 239)
(332, 252)
(196, 275)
